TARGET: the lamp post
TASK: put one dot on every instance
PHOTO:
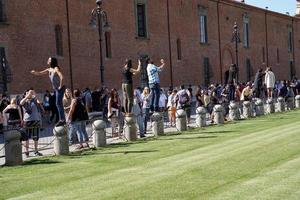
(99, 18)
(236, 40)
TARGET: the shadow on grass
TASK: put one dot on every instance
(40, 161)
(189, 138)
(128, 152)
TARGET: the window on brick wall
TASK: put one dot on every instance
(263, 55)
(246, 30)
(206, 70)
(2, 11)
(249, 72)
(107, 45)
(59, 40)
(203, 24)
(277, 55)
(290, 38)
(141, 18)
(178, 49)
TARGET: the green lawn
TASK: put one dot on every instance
(250, 159)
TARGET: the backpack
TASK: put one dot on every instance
(183, 98)
(80, 111)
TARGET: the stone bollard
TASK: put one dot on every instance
(99, 133)
(234, 112)
(259, 107)
(201, 117)
(297, 101)
(247, 110)
(218, 114)
(157, 124)
(270, 107)
(13, 148)
(61, 141)
(280, 104)
(130, 132)
(181, 124)
(290, 104)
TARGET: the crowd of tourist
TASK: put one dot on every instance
(64, 107)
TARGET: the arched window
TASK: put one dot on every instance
(107, 45)
(59, 40)
(178, 49)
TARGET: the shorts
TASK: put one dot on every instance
(172, 110)
(31, 131)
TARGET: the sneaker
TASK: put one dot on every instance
(60, 123)
(142, 136)
(37, 153)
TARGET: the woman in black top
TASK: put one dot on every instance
(15, 114)
(127, 86)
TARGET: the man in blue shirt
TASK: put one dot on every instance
(154, 82)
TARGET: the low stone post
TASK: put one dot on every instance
(13, 148)
(270, 107)
(297, 101)
(61, 142)
(99, 133)
(157, 124)
(234, 112)
(130, 131)
(181, 124)
(280, 104)
(201, 117)
(218, 114)
(259, 108)
(247, 110)
(290, 104)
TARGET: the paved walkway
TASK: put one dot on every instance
(46, 142)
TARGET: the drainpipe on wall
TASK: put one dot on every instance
(219, 40)
(69, 44)
(293, 49)
(170, 47)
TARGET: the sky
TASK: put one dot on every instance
(281, 6)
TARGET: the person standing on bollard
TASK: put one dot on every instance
(270, 81)
(154, 82)
(32, 119)
(77, 119)
(127, 86)
(56, 78)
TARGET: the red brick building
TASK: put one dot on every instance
(194, 37)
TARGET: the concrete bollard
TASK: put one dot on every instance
(218, 114)
(280, 104)
(13, 148)
(234, 112)
(130, 131)
(297, 101)
(61, 141)
(99, 133)
(201, 117)
(181, 124)
(270, 107)
(157, 124)
(259, 108)
(290, 103)
(247, 110)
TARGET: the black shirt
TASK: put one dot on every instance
(127, 76)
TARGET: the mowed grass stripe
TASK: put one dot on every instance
(170, 169)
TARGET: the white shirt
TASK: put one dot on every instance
(162, 100)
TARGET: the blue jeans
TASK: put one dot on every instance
(145, 118)
(80, 129)
(59, 94)
(155, 91)
(231, 92)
